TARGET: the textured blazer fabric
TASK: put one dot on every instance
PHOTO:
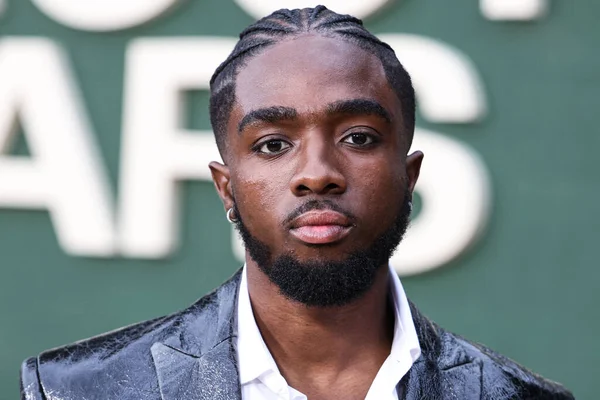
(191, 355)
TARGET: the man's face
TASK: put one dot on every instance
(316, 155)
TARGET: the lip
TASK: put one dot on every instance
(320, 227)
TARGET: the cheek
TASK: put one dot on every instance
(257, 197)
(383, 185)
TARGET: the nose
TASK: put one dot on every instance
(318, 171)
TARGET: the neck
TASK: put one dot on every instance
(319, 344)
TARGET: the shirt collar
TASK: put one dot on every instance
(254, 357)
(405, 339)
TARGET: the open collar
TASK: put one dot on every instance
(198, 358)
(255, 359)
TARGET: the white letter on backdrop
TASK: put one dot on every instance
(156, 152)
(454, 184)
(357, 8)
(446, 81)
(515, 10)
(103, 15)
(456, 195)
(65, 172)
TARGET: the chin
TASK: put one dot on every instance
(323, 253)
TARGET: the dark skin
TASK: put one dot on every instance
(308, 148)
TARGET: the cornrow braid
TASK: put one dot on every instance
(284, 24)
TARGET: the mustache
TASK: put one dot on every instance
(317, 205)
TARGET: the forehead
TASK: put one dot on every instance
(309, 72)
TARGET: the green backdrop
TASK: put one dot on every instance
(529, 288)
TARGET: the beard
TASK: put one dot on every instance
(327, 283)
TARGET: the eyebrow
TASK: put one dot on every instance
(359, 107)
(277, 114)
(269, 114)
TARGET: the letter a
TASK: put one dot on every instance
(64, 174)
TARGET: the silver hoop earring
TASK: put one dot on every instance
(229, 218)
(410, 207)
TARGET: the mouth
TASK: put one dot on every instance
(321, 227)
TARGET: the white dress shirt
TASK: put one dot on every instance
(261, 380)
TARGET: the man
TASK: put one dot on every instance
(314, 118)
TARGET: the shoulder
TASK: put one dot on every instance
(469, 368)
(99, 362)
(119, 364)
(504, 378)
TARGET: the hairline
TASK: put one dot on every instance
(406, 130)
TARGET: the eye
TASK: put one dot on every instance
(273, 146)
(359, 139)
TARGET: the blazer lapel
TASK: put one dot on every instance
(444, 371)
(462, 381)
(198, 360)
(182, 376)
(426, 380)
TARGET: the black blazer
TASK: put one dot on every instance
(191, 355)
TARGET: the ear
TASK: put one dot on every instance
(222, 180)
(413, 168)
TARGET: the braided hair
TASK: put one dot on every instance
(284, 24)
